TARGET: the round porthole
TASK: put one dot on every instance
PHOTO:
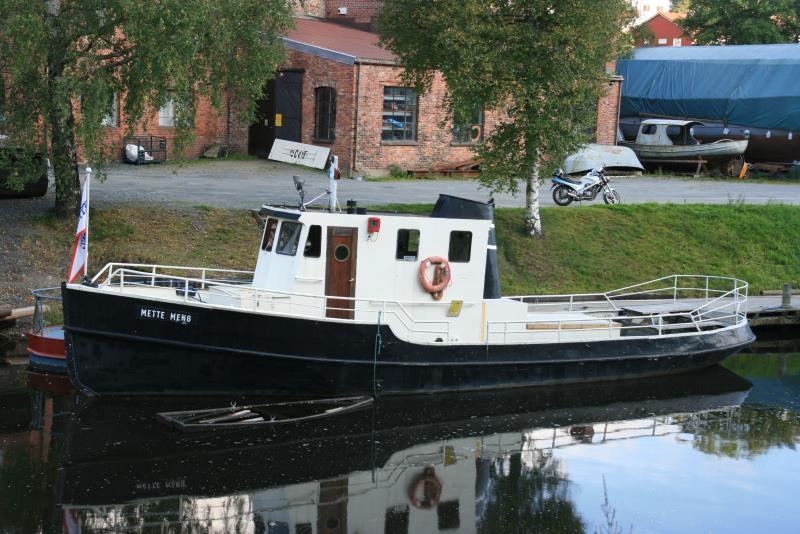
(341, 252)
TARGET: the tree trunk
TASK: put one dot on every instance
(64, 157)
(63, 148)
(533, 221)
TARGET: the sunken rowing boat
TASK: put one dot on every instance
(381, 303)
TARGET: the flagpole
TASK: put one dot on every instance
(88, 196)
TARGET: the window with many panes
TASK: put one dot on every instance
(470, 131)
(325, 113)
(399, 114)
(407, 245)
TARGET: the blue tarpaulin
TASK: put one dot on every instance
(750, 85)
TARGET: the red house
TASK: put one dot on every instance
(665, 30)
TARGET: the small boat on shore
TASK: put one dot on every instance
(344, 304)
(665, 139)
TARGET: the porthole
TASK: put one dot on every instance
(341, 252)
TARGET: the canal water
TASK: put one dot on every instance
(714, 451)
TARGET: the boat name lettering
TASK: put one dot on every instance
(175, 483)
(163, 315)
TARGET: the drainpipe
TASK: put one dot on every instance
(355, 120)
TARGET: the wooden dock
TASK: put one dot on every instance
(767, 311)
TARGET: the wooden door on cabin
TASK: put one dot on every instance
(261, 133)
(340, 271)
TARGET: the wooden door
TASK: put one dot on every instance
(261, 133)
(340, 273)
(288, 105)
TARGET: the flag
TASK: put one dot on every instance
(80, 250)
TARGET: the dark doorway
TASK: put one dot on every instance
(278, 114)
(340, 274)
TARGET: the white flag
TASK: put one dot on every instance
(80, 250)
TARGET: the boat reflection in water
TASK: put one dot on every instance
(422, 464)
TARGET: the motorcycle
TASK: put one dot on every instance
(566, 190)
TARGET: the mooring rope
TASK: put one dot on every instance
(375, 354)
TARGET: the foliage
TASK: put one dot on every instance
(737, 22)
(538, 63)
(65, 60)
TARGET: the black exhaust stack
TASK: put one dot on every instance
(451, 207)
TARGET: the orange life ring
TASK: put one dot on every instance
(441, 272)
(430, 488)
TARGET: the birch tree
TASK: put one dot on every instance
(538, 63)
(65, 62)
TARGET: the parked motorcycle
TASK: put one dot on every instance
(566, 189)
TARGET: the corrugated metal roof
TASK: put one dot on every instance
(721, 53)
(336, 42)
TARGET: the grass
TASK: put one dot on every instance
(585, 249)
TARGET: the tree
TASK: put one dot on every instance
(65, 62)
(736, 22)
(540, 63)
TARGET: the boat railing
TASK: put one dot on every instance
(669, 305)
(156, 272)
(128, 275)
(47, 309)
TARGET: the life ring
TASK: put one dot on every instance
(426, 490)
(441, 273)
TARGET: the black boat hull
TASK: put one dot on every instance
(114, 347)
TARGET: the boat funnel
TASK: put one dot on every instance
(451, 207)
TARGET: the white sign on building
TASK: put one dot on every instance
(299, 153)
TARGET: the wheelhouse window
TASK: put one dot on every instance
(313, 247)
(460, 246)
(407, 245)
(325, 114)
(399, 114)
(288, 238)
(470, 131)
(269, 234)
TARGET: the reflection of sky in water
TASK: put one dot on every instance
(663, 484)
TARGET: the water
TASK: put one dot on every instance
(708, 452)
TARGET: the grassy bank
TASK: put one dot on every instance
(585, 249)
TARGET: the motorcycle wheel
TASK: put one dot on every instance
(611, 196)
(561, 195)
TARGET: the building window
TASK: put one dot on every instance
(460, 247)
(645, 8)
(662, 41)
(470, 131)
(288, 238)
(325, 114)
(399, 114)
(112, 119)
(677, 41)
(166, 115)
(407, 245)
(313, 246)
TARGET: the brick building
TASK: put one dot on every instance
(339, 89)
(665, 30)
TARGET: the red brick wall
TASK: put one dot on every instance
(608, 113)
(434, 145)
(314, 8)
(320, 72)
(211, 126)
(358, 11)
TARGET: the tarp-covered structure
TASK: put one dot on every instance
(748, 85)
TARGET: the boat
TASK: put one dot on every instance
(46, 351)
(261, 414)
(671, 139)
(612, 158)
(345, 304)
